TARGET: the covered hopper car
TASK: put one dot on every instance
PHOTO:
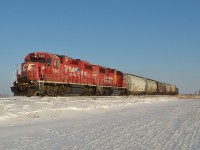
(48, 74)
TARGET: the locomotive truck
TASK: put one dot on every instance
(46, 74)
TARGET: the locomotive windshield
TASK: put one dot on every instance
(35, 57)
(41, 60)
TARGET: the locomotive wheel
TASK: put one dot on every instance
(48, 92)
(92, 91)
(54, 93)
(30, 92)
(61, 91)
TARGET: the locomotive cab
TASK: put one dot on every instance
(33, 67)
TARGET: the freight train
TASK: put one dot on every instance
(46, 74)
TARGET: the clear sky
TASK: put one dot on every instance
(158, 39)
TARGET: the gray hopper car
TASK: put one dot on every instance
(143, 86)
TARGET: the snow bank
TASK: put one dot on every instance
(37, 107)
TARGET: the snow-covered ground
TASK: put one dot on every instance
(156, 122)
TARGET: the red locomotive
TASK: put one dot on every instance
(50, 74)
(47, 74)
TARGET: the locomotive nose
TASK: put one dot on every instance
(24, 69)
(27, 67)
(31, 66)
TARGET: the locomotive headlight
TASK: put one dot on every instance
(35, 55)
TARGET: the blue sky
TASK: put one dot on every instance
(158, 39)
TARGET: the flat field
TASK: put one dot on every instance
(133, 122)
